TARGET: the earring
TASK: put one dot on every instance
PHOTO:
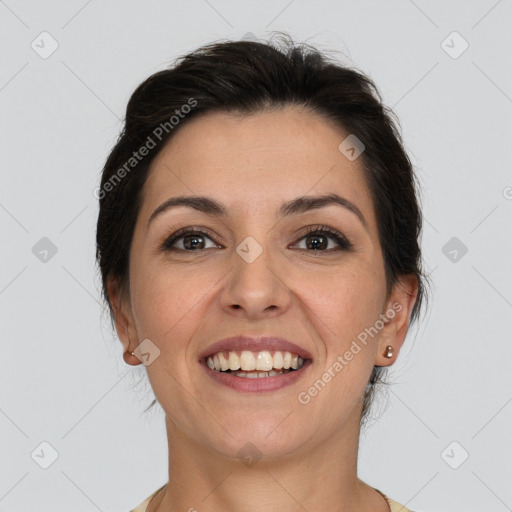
(389, 352)
(126, 357)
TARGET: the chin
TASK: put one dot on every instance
(260, 443)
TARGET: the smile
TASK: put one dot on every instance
(253, 365)
(255, 371)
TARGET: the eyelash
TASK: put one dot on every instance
(344, 243)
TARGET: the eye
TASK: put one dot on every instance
(194, 239)
(190, 240)
(317, 239)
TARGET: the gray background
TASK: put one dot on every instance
(62, 378)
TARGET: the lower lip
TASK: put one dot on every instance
(260, 384)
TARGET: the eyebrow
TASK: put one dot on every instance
(299, 205)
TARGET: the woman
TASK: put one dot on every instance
(258, 245)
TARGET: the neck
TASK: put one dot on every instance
(317, 477)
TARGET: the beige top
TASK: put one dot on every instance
(395, 507)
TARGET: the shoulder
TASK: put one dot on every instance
(395, 506)
(142, 507)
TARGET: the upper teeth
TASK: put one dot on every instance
(247, 361)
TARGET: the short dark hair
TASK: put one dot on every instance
(249, 77)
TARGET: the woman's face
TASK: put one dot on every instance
(257, 273)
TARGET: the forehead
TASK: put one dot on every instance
(256, 161)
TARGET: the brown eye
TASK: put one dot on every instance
(188, 240)
(317, 239)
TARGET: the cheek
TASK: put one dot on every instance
(158, 299)
(346, 299)
(343, 305)
(169, 303)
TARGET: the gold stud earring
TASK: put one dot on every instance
(126, 357)
(389, 352)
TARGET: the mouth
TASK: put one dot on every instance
(255, 365)
(252, 365)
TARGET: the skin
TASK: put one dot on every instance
(185, 301)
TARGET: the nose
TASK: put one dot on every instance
(255, 289)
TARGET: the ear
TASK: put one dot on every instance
(123, 318)
(396, 315)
